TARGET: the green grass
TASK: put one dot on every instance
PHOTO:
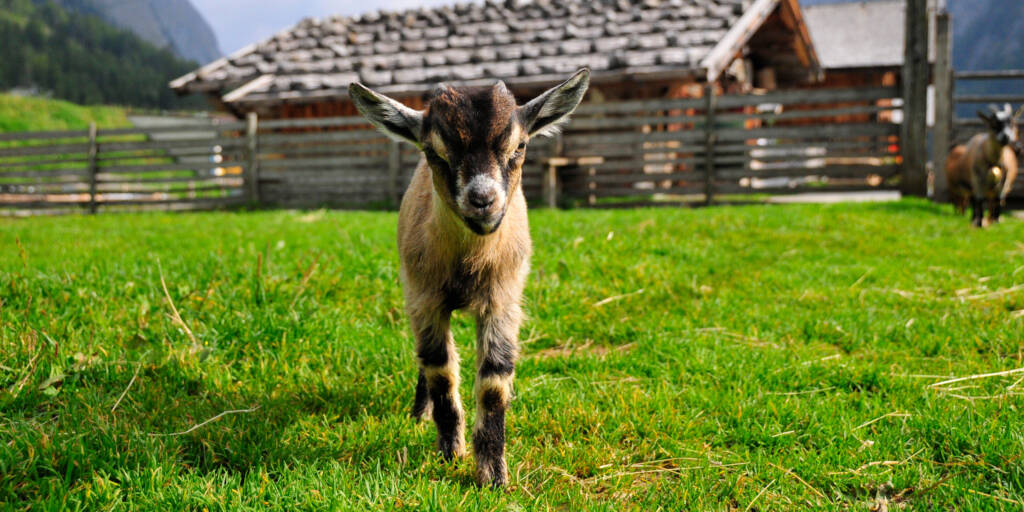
(778, 358)
(41, 114)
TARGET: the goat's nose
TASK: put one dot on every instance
(481, 197)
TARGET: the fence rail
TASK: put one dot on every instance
(688, 150)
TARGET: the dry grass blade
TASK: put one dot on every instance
(207, 422)
(614, 298)
(882, 417)
(642, 472)
(1000, 498)
(801, 480)
(175, 316)
(751, 504)
(1005, 373)
(129, 386)
(305, 280)
(995, 294)
(16, 388)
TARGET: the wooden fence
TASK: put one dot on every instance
(693, 150)
(179, 167)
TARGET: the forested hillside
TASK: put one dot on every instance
(81, 58)
(172, 24)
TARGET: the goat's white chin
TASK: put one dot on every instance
(484, 225)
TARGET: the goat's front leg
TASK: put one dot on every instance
(497, 348)
(439, 378)
(977, 211)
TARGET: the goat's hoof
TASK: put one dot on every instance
(492, 474)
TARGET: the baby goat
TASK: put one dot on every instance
(464, 243)
(984, 169)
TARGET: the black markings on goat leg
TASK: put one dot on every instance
(489, 439)
(447, 416)
(421, 403)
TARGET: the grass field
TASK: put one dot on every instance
(42, 114)
(742, 358)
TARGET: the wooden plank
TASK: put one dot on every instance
(629, 191)
(179, 128)
(627, 137)
(638, 106)
(207, 144)
(236, 180)
(992, 74)
(694, 176)
(44, 135)
(269, 141)
(826, 131)
(640, 164)
(835, 171)
(329, 162)
(734, 189)
(167, 188)
(152, 168)
(809, 96)
(41, 163)
(331, 150)
(209, 201)
(787, 115)
(45, 150)
(45, 173)
(323, 122)
(604, 123)
(989, 98)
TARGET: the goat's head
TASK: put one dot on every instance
(1002, 123)
(474, 141)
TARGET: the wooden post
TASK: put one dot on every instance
(394, 165)
(93, 153)
(709, 143)
(943, 103)
(253, 161)
(549, 183)
(915, 99)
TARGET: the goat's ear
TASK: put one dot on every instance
(988, 117)
(389, 116)
(544, 114)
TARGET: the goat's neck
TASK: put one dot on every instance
(452, 233)
(993, 150)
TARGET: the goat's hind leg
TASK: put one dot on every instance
(439, 376)
(497, 347)
(421, 402)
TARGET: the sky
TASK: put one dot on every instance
(238, 23)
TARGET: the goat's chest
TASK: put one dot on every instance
(466, 285)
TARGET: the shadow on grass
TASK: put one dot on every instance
(309, 424)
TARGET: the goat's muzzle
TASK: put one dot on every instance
(482, 204)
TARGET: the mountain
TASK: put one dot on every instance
(82, 58)
(172, 24)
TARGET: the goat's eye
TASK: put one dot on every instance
(521, 147)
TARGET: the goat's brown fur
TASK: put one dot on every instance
(464, 243)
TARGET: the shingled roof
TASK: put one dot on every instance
(521, 42)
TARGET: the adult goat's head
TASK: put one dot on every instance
(1002, 123)
(474, 140)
